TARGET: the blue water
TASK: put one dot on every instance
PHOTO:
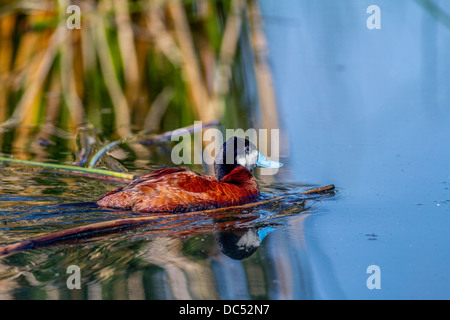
(368, 110)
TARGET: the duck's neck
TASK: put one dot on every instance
(223, 170)
(240, 175)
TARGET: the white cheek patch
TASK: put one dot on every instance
(249, 240)
(253, 157)
(241, 160)
(249, 160)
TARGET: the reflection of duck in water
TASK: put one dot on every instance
(239, 244)
(182, 190)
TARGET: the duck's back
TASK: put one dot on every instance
(182, 190)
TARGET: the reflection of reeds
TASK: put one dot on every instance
(133, 66)
(263, 75)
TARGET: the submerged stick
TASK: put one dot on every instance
(127, 222)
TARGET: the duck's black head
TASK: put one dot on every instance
(238, 151)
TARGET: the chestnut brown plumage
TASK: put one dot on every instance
(183, 190)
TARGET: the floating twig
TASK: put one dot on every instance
(176, 133)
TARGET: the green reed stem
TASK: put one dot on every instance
(72, 169)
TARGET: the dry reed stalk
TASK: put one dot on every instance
(229, 43)
(7, 24)
(142, 104)
(130, 63)
(27, 56)
(162, 37)
(127, 50)
(157, 110)
(87, 42)
(206, 54)
(203, 107)
(29, 97)
(119, 101)
(68, 86)
(52, 109)
(53, 103)
(207, 106)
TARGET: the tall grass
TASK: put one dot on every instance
(133, 66)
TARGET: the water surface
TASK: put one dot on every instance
(368, 110)
(192, 256)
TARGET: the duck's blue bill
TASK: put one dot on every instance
(266, 163)
(263, 233)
